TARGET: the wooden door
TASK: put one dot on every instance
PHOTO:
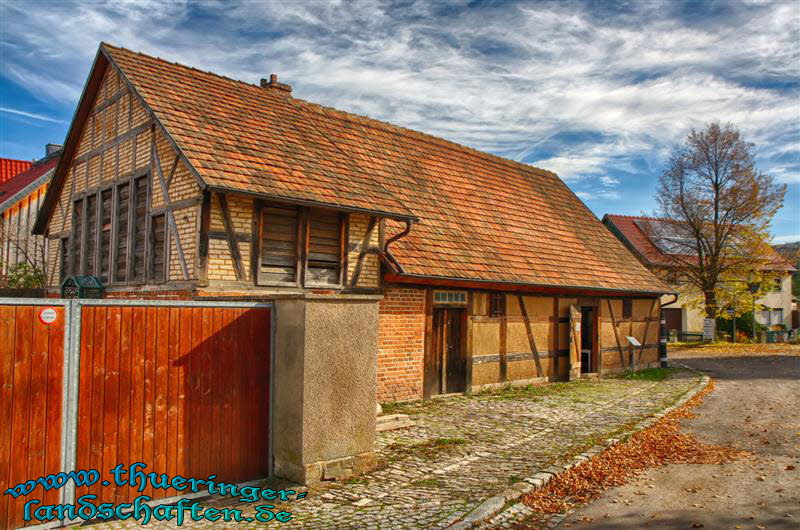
(574, 356)
(31, 389)
(445, 362)
(673, 319)
(184, 390)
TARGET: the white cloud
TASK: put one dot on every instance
(508, 79)
(31, 115)
(786, 239)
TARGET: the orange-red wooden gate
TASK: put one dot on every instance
(183, 387)
(31, 387)
(184, 390)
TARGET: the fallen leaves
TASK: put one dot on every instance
(658, 445)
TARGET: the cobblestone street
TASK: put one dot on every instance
(465, 449)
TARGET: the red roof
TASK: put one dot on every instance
(628, 226)
(14, 185)
(481, 217)
(10, 167)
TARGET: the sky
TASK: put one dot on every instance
(599, 92)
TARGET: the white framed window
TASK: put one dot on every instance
(450, 297)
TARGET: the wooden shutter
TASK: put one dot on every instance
(279, 231)
(324, 248)
(139, 228)
(91, 232)
(123, 206)
(63, 263)
(77, 237)
(106, 197)
(158, 239)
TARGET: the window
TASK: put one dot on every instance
(91, 232)
(158, 244)
(324, 248)
(77, 239)
(121, 236)
(279, 229)
(627, 308)
(450, 297)
(139, 206)
(497, 304)
(63, 250)
(106, 196)
(778, 285)
(110, 223)
(777, 317)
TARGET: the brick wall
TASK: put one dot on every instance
(401, 344)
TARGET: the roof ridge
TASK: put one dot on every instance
(176, 63)
(358, 118)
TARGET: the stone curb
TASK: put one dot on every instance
(496, 504)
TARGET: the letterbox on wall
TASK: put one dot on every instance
(81, 287)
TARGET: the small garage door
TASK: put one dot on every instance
(184, 390)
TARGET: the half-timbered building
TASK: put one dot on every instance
(401, 265)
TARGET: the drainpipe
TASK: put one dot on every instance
(662, 341)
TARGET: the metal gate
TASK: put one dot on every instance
(183, 387)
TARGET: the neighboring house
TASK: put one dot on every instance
(684, 315)
(20, 199)
(400, 265)
(10, 167)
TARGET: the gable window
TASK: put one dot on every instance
(324, 248)
(77, 237)
(109, 233)
(106, 197)
(497, 304)
(158, 244)
(627, 308)
(280, 226)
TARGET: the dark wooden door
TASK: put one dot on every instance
(574, 356)
(673, 319)
(445, 362)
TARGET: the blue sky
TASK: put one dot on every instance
(596, 91)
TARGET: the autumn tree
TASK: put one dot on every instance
(716, 208)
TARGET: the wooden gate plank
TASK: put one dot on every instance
(20, 431)
(55, 380)
(7, 342)
(124, 416)
(110, 400)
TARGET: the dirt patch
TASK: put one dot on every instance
(658, 445)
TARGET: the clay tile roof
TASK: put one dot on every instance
(480, 217)
(629, 227)
(14, 189)
(10, 167)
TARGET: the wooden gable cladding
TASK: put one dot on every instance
(256, 244)
(128, 209)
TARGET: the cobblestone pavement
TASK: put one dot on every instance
(464, 449)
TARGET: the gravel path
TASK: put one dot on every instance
(755, 407)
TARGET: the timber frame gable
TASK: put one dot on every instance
(126, 205)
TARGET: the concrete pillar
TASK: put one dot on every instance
(324, 386)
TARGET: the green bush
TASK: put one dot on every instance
(25, 276)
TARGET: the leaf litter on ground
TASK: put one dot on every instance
(658, 445)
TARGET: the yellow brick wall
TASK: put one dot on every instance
(220, 263)
(370, 270)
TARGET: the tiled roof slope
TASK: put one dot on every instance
(481, 217)
(10, 189)
(10, 167)
(627, 226)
